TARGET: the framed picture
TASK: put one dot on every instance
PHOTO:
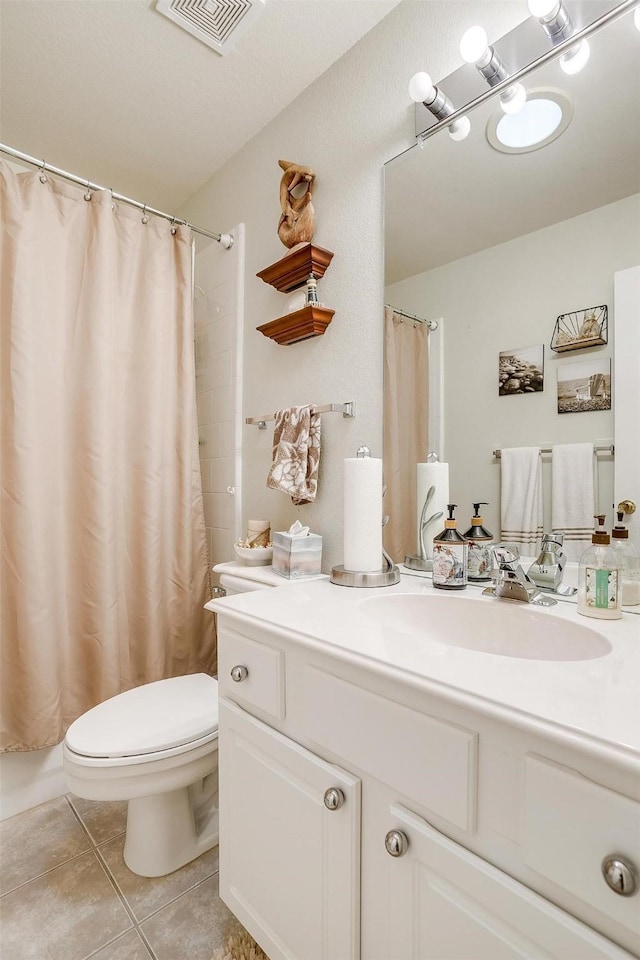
(580, 329)
(584, 386)
(521, 371)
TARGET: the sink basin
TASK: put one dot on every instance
(487, 626)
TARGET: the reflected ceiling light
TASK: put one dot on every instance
(545, 116)
(636, 17)
(474, 48)
(422, 90)
(554, 19)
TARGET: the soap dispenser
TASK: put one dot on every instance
(629, 560)
(480, 542)
(450, 553)
(599, 578)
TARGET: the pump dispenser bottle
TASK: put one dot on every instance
(480, 542)
(450, 552)
(600, 578)
(629, 560)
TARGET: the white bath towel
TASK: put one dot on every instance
(574, 495)
(521, 497)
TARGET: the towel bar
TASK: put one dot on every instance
(346, 409)
(609, 448)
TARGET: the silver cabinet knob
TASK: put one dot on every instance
(396, 843)
(239, 673)
(620, 875)
(333, 798)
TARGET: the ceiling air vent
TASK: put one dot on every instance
(218, 23)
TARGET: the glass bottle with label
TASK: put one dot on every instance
(600, 578)
(450, 553)
(629, 559)
(480, 542)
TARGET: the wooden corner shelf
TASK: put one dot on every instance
(292, 270)
(303, 324)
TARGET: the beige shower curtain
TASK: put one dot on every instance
(103, 553)
(406, 423)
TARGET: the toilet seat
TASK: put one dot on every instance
(151, 722)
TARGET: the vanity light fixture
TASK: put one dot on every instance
(422, 90)
(545, 116)
(474, 48)
(636, 17)
(553, 17)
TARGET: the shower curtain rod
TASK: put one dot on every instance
(225, 239)
(432, 324)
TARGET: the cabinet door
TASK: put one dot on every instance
(448, 904)
(289, 865)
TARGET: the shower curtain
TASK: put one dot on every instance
(406, 423)
(104, 567)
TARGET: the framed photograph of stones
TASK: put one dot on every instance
(584, 386)
(521, 371)
(580, 329)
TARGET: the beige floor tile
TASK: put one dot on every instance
(192, 927)
(145, 895)
(128, 947)
(104, 819)
(38, 840)
(65, 915)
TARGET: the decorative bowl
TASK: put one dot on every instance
(254, 556)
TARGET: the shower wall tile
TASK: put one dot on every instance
(219, 301)
(222, 404)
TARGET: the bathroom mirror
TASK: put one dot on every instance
(497, 245)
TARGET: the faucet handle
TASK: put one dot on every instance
(505, 557)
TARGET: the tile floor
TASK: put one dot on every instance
(66, 894)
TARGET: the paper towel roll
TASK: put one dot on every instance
(431, 475)
(362, 514)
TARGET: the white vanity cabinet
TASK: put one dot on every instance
(362, 817)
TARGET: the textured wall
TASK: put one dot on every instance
(346, 125)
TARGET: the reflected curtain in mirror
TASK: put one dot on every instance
(104, 568)
(406, 424)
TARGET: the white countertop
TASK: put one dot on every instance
(593, 703)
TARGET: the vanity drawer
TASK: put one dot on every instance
(263, 684)
(429, 761)
(571, 825)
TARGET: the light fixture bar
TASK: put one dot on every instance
(553, 54)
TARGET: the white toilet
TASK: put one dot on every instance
(156, 746)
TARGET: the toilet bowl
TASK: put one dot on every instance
(156, 747)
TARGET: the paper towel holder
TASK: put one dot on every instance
(385, 577)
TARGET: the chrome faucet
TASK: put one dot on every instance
(546, 571)
(510, 582)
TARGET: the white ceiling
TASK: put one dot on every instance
(112, 90)
(450, 200)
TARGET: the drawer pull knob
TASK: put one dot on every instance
(333, 798)
(396, 843)
(620, 876)
(239, 673)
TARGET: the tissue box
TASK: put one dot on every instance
(295, 557)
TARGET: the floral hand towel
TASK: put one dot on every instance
(296, 454)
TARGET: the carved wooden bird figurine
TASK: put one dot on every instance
(298, 221)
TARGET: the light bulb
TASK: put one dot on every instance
(421, 88)
(459, 129)
(636, 17)
(474, 44)
(542, 8)
(514, 98)
(575, 59)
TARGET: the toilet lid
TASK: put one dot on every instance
(156, 716)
